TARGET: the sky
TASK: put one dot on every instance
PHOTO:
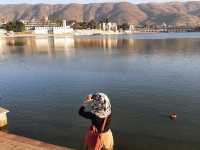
(82, 1)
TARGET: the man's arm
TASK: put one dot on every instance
(83, 113)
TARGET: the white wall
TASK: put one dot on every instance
(41, 30)
(56, 30)
(62, 30)
(2, 31)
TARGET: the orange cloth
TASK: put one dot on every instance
(96, 141)
(107, 141)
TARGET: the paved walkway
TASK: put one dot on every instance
(14, 142)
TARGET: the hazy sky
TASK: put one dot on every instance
(82, 1)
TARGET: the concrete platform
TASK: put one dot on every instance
(14, 142)
(3, 117)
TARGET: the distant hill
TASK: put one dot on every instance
(172, 13)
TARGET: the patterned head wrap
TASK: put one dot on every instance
(100, 105)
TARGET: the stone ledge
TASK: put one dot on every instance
(14, 142)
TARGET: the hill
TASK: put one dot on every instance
(172, 13)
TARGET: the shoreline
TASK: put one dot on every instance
(34, 35)
(75, 33)
(83, 33)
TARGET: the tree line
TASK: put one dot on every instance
(18, 26)
(15, 26)
(93, 24)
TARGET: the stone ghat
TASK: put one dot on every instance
(14, 142)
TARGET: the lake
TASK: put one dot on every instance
(44, 80)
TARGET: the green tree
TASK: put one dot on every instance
(8, 26)
(71, 22)
(83, 25)
(76, 26)
(92, 24)
(197, 29)
(124, 26)
(18, 26)
(15, 26)
(105, 19)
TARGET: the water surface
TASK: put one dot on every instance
(43, 82)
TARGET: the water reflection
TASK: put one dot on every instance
(139, 46)
(3, 51)
(125, 46)
(35, 45)
(45, 45)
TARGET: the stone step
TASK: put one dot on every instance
(14, 142)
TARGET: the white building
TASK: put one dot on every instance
(44, 22)
(109, 26)
(3, 32)
(131, 28)
(53, 29)
(3, 20)
(164, 25)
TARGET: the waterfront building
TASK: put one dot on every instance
(131, 28)
(109, 26)
(31, 24)
(53, 29)
(45, 26)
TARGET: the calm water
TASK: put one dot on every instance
(43, 82)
